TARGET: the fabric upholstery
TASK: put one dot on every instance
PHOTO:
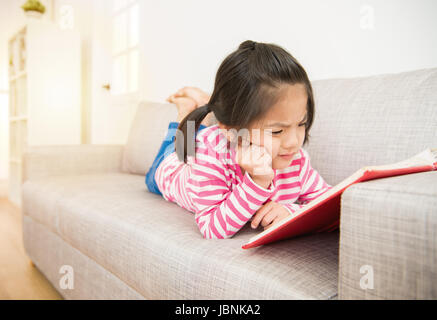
(147, 132)
(372, 121)
(155, 247)
(42, 161)
(90, 280)
(390, 224)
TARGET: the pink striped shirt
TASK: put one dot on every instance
(212, 186)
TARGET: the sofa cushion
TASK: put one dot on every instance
(42, 197)
(146, 134)
(371, 121)
(156, 248)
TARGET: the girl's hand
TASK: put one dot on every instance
(269, 214)
(257, 161)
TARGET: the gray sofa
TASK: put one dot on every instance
(88, 207)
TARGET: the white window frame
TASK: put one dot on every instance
(126, 51)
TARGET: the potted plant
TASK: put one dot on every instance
(33, 8)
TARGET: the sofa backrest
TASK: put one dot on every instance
(146, 134)
(358, 122)
(371, 121)
(148, 130)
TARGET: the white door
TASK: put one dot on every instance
(115, 76)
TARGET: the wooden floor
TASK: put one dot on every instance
(18, 278)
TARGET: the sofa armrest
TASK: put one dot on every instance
(388, 228)
(43, 161)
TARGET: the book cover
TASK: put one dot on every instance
(323, 214)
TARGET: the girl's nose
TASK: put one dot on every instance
(290, 141)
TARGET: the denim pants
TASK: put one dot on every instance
(167, 148)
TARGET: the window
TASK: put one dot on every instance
(125, 49)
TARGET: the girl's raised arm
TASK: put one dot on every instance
(219, 210)
(312, 183)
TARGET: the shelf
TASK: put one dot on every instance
(17, 118)
(17, 55)
(37, 81)
(17, 76)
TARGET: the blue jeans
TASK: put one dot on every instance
(167, 148)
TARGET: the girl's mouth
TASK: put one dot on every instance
(287, 156)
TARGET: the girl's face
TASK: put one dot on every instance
(282, 130)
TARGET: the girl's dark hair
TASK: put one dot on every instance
(246, 86)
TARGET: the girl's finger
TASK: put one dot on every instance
(266, 160)
(269, 217)
(277, 219)
(259, 215)
(241, 149)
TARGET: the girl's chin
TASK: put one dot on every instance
(281, 164)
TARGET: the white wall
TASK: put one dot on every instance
(187, 40)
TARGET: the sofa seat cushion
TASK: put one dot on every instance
(155, 246)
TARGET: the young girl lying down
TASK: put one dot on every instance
(250, 165)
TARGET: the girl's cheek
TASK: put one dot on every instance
(270, 143)
(276, 145)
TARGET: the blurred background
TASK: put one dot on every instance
(73, 71)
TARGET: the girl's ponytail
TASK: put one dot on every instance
(186, 132)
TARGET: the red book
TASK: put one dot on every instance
(323, 213)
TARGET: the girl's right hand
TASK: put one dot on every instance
(257, 161)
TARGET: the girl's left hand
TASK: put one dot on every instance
(269, 214)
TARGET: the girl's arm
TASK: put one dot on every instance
(312, 183)
(221, 211)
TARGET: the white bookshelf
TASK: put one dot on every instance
(44, 93)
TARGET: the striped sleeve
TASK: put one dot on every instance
(312, 183)
(221, 211)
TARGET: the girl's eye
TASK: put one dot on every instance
(278, 132)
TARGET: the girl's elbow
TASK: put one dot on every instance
(210, 234)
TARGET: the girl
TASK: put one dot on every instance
(263, 95)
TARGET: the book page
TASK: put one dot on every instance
(426, 157)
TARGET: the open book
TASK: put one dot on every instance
(323, 213)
